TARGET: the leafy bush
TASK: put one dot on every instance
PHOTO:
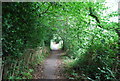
(93, 45)
(23, 29)
(90, 40)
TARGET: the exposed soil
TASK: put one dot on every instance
(51, 68)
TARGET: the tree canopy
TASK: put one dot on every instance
(91, 40)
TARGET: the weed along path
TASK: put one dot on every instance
(51, 67)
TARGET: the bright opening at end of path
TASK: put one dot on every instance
(56, 43)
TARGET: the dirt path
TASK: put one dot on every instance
(51, 68)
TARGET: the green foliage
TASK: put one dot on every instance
(91, 41)
(23, 28)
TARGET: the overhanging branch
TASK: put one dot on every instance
(94, 16)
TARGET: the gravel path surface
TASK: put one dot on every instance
(51, 68)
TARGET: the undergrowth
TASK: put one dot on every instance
(23, 67)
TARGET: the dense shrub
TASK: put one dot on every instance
(90, 40)
(23, 29)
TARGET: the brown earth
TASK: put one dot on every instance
(51, 68)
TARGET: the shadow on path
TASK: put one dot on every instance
(51, 68)
(51, 65)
